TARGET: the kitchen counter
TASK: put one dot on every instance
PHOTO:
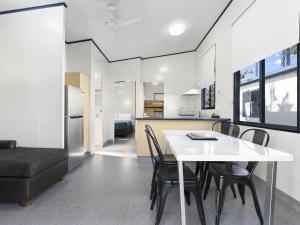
(169, 123)
(184, 118)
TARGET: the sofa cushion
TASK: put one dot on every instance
(27, 162)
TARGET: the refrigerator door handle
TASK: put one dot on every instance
(73, 117)
(76, 117)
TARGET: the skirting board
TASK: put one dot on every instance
(283, 196)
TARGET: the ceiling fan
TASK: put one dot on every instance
(112, 22)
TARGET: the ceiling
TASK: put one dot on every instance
(146, 38)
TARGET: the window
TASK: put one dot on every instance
(249, 94)
(266, 93)
(208, 97)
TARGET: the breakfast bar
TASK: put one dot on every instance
(169, 123)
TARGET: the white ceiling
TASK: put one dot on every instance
(146, 38)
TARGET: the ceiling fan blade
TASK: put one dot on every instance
(122, 22)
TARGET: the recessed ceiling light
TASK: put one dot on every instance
(177, 29)
(163, 69)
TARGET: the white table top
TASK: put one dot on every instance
(226, 148)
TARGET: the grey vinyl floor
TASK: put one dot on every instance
(108, 190)
(122, 147)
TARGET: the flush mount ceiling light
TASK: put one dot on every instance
(177, 29)
(163, 69)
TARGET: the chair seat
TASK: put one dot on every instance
(225, 170)
(168, 158)
(170, 173)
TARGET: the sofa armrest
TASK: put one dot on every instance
(8, 144)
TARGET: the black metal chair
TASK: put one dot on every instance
(168, 159)
(167, 180)
(227, 128)
(230, 174)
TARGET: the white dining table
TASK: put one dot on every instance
(225, 148)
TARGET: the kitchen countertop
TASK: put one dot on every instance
(183, 118)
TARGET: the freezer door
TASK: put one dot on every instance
(74, 101)
(74, 141)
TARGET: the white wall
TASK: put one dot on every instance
(32, 65)
(178, 75)
(84, 57)
(150, 89)
(79, 57)
(124, 95)
(221, 35)
(129, 70)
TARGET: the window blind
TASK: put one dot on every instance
(265, 28)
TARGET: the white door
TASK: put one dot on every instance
(98, 115)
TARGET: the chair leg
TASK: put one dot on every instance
(220, 199)
(160, 209)
(241, 189)
(153, 181)
(197, 170)
(255, 200)
(197, 194)
(207, 185)
(158, 206)
(154, 197)
(233, 190)
(187, 195)
(205, 173)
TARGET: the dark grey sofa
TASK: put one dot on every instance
(26, 172)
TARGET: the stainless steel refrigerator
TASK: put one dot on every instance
(74, 125)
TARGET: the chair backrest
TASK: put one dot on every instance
(148, 127)
(260, 137)
(227, 128)
(216, 124)
(154, 148)
(234, 130)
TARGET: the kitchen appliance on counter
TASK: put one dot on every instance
(187, 111)
(74, 126)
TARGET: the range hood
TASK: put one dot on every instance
(192, 91)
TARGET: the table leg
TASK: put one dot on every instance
(270, 193)
(181, 187)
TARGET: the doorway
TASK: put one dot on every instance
(124, 113)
